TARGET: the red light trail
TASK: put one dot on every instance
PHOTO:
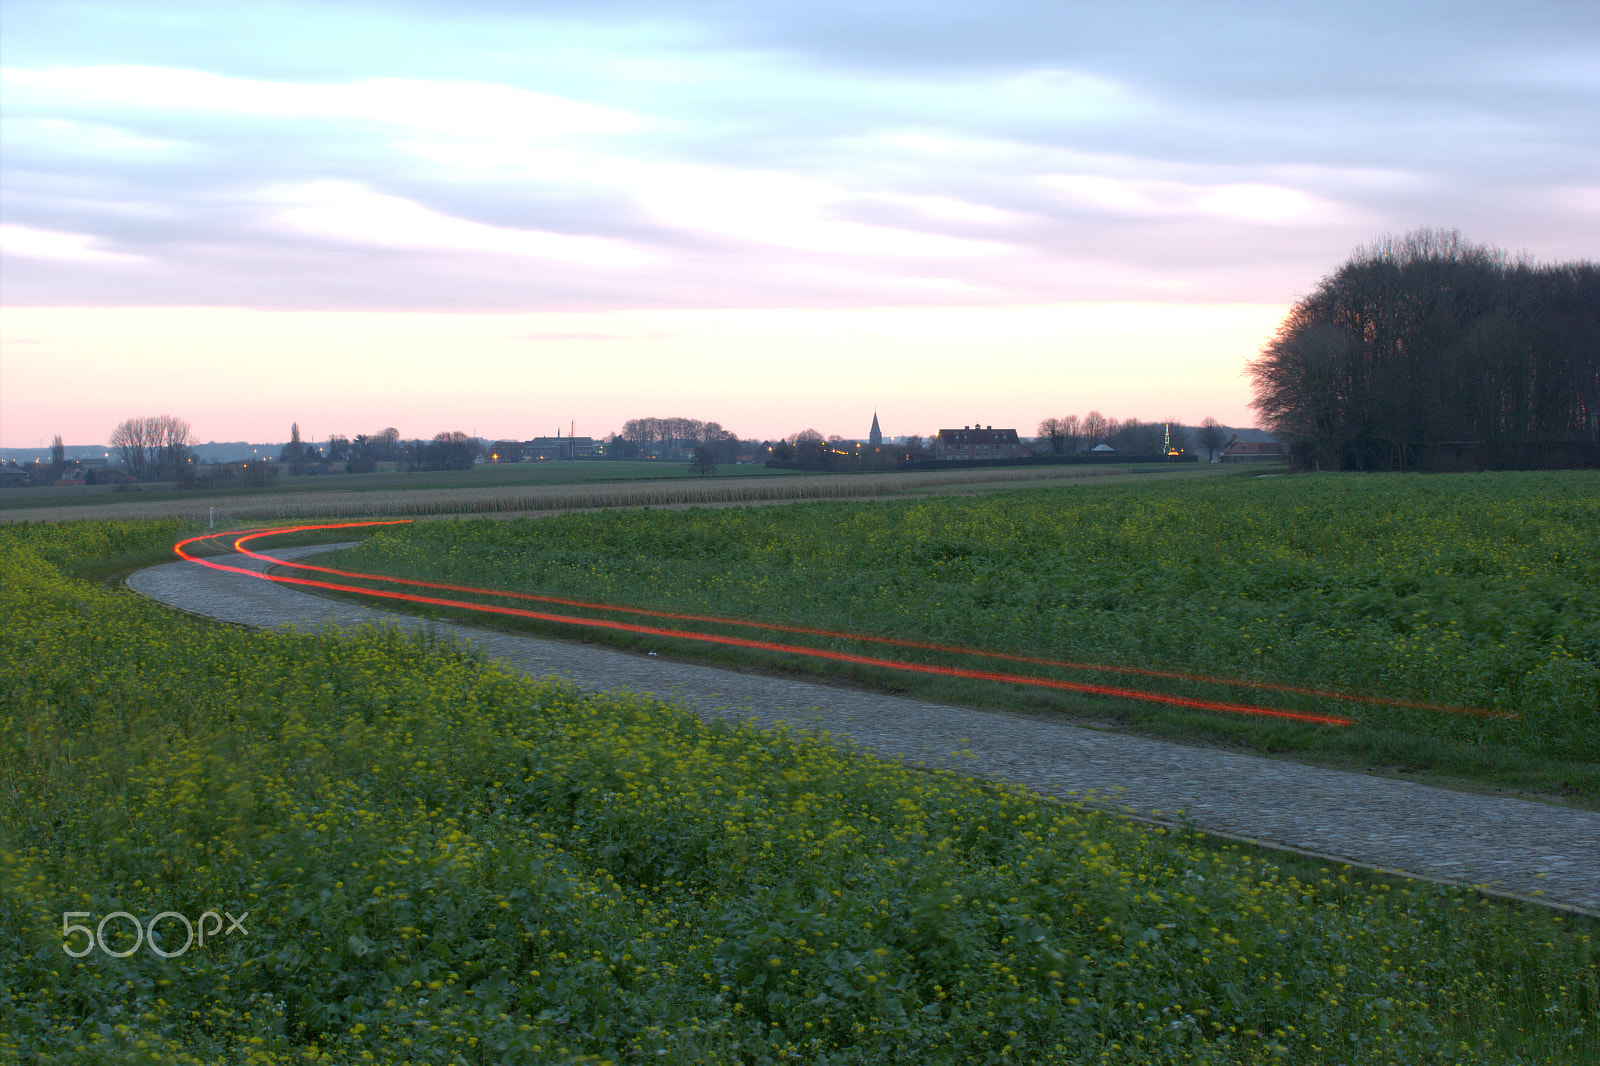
(679, 634)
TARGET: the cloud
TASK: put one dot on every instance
(1256, 202)
(348, 212)
(953, 209)
(493, 112)
(92, 139)
(786, 211)
(695, 154)
(66, 247)
(1252, 202)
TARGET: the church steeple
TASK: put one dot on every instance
(875, 438)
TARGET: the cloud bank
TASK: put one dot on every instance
(672, 155)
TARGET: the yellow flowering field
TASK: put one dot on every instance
(1475, 595)
(412, 856)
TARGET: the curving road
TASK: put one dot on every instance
(1511, 847)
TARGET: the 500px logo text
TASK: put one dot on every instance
(145, 933)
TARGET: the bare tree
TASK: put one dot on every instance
(1095, 428)
(131, 440)
(156, 446)
(58, 457)
(1052, 434)
(174, 448)
(1211, 435)
(1135, 437)
(452, 450)
(1072, 429)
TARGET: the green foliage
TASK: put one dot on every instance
(1475, 591)
(442, 862)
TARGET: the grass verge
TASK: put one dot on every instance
(1388, 752)
(1393, 590)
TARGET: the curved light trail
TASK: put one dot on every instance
(240, 539)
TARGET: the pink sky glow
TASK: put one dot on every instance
(508, 218)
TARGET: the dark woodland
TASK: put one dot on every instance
(1426, 352)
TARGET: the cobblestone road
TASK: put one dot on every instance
(1511, 846)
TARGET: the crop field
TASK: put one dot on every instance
(395, 853)
(485, 476)
(1446, 624)
(574, 487)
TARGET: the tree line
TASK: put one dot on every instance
(449, 450)
(162, 447)
(641, 437)
(1425, 351)
(1071, 433)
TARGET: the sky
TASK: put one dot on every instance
(507, 217)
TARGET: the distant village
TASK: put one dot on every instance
(158, 450)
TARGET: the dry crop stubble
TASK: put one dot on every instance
(569, 497)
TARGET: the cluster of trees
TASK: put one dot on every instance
(681, 431)
(1069, 434)
(363, 454)
(1423, 345)
(155, 448)
(807, 446)
(450, 450)
(645, 436)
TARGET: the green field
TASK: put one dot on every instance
(444, 863)
(1474, 593)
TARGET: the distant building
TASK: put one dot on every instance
(559, 447)
(1261, 450)
(875, 435)
(977, 442)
